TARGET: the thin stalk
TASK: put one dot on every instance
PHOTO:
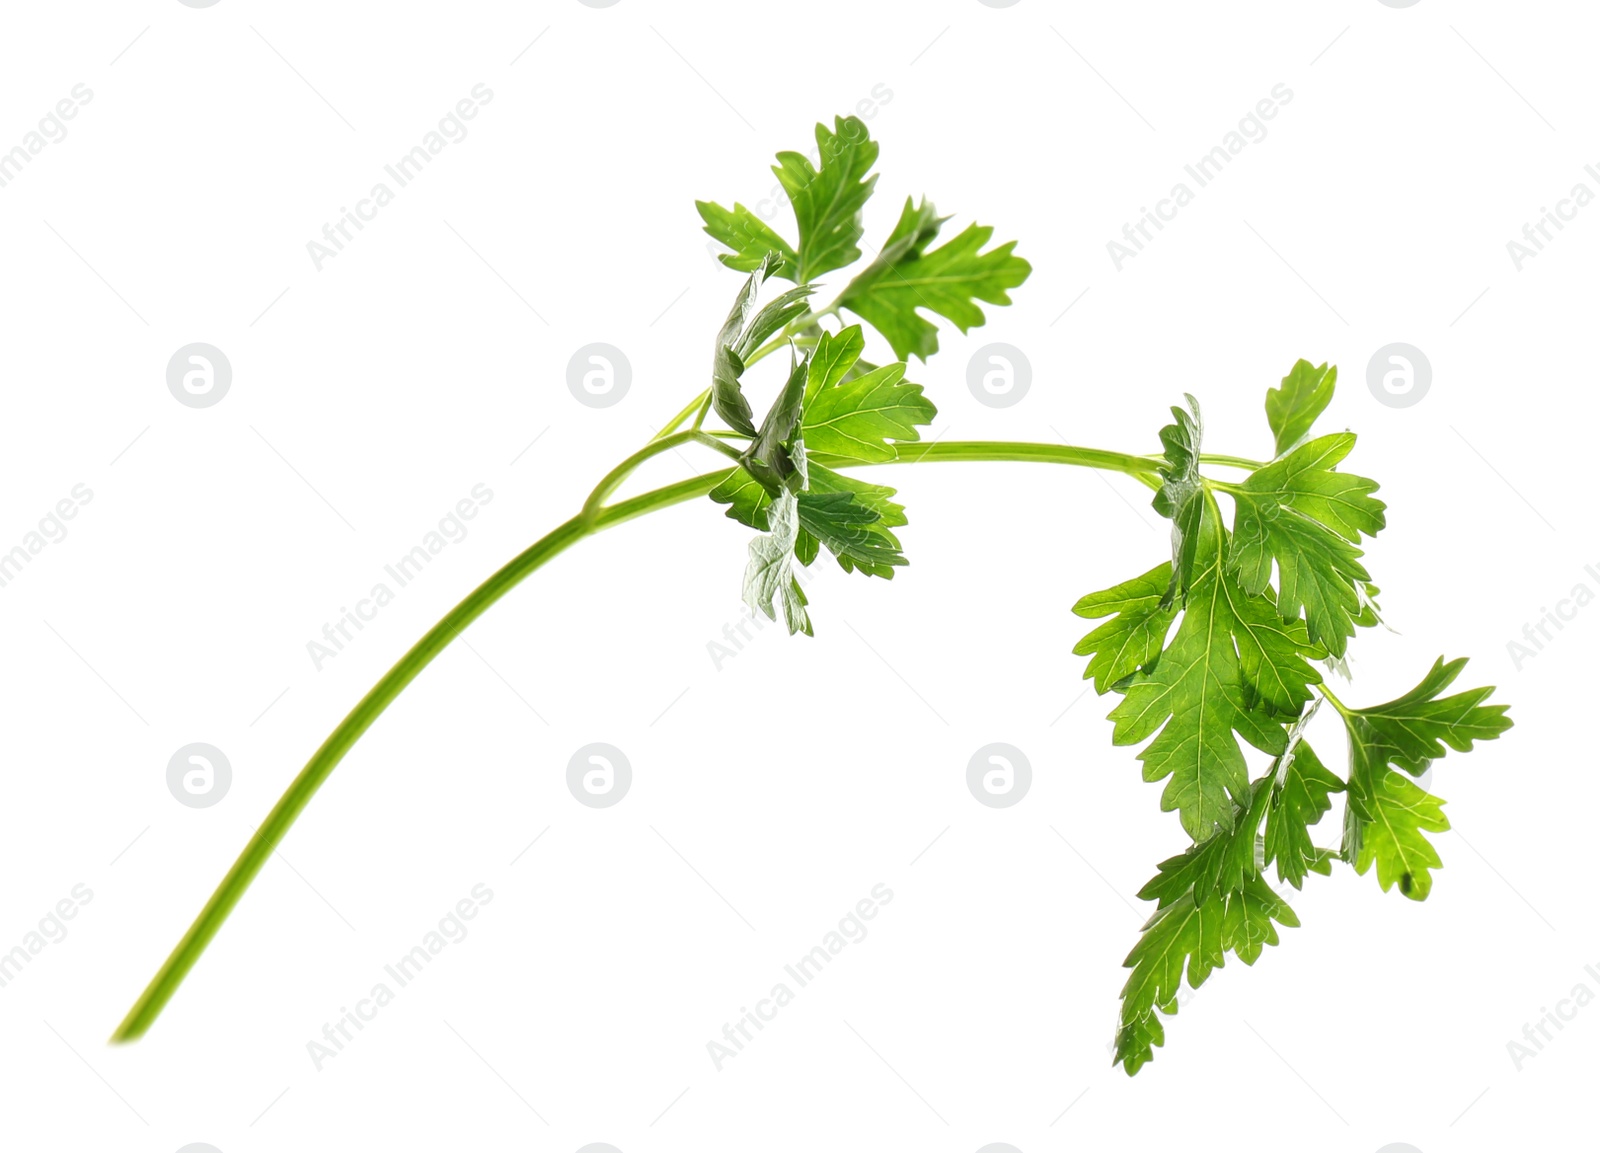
(684, 414)
(705, 407)
(613, 479)
(591, 520)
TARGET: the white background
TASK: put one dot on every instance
(771, 795)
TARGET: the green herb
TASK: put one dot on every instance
(1215, 651)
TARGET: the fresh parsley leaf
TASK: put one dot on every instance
(1198, 697)
(832, 360)
(749, 237)
(1300, 513)
(1221, 863)
(1180, 498)
(769, 581)
(1134, 635)
(727, 366)
(1387, 814)
(1413, 731)
(1299, 804)
(1195, 936)
(776, 313)
(1391, 814)
(859, 418)
(776, 457)
(947, 280)
(1306, 480)
(828, 201)
(745, 497)
(851, 531)
(1293, 407)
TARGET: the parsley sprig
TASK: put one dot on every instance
(1215, 656)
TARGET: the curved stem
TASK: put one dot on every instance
(1230, 461)
(613, 479)
(591, 520)
(705, 407)
(684, 414)
(914, 452)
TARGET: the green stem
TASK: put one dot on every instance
(705, 407)
(613, 479)
(684, 414)
(591, 520)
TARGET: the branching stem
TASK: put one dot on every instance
(595, 516)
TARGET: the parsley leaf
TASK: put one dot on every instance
(860, 417)
(776, 313)
(1293, 407)
(947, 280)
(749, 237)
(1391, 814)
(1198, 696)
(776, 458)
(1181, 493)
(1302, 514)
(769, 581)
(727, 365)
(1133, 637)
(1195, 935)
(852, 532)
(1300, 803)
(1387, 814)
(827, 201)
(833, 358)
